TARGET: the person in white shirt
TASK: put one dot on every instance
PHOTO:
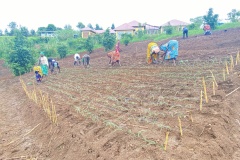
(43, 62)
(77, 59)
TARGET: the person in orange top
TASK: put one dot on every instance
(109, 55)
(115, 58)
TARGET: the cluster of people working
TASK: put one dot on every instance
(170, 52)
(45, 64)
(169, 49)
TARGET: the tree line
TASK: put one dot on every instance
(21, 51)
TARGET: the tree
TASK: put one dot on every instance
(1, 33)
(211, 18)
(234, 15)
(169, 30)
(97, 27)
(113, 26)
(20, 41)
(68, 26)
(20, 59)
(12, 25)
(41, 29)
(89, 44)
(6, 32)
(32, 32)
(51, 27)
(108, 40)
(65, 34)
(90, 25)
(58, 28)
(13, 28)
(126, 37)
(24, 31)
(196, 22)
(80, 25)
(62, 50)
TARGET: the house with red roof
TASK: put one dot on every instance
(177, 24)
(130, 28)
(86, 32)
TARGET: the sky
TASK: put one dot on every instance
(39, 13)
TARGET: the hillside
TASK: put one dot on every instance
(126, 112)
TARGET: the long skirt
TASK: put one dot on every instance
(44, 69)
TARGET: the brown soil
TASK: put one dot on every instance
(125, 112)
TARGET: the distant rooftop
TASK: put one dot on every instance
(175, 22)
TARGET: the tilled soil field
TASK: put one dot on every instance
(133, 111)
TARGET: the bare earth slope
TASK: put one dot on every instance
(125, 112)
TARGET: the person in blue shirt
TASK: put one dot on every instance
(185, 32)
(55, 64)
(38, 76)
(170, 51)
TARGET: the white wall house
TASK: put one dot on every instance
(47, 33)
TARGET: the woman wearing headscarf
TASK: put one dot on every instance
(170, 50)
(43, 62)
(152, 53)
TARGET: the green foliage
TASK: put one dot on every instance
(24, 31)
(228, 25)
(234, 15)
(196, 23)
(197, 20)
(41, 29)
(20, 61)
(32, 32)
(6, 46)
(140, 33)
(6, 32)
(98, 27)
(68, 26)
(108, 40)
(169, 30)
(19, 41)
(98, 38)
(51, 27)
(211, 18)
(1, 32)
(126, 38)
(90, 25)
(192, 26)
(81, 44)
(12, 25)
(49, 51)
(65, 34)
(89, 44)
(80, 25)
(62, 50)
(113, 26)
(13, 32)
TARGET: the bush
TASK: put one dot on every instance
(126, 38)
(62, 50)
(140, 33)
(89, 44)
(20, 61)
(192, 26)
(81, 44)
(169, 30)
(109, 40)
